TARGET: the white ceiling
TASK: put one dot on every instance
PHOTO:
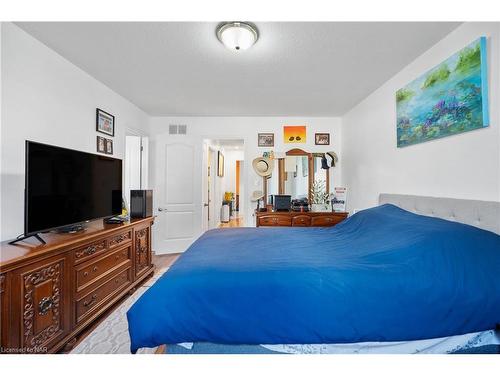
(295, 68)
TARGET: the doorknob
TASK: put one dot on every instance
(161, 209)
(205, 204)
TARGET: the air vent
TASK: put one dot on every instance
(177, 129)
(172, 129)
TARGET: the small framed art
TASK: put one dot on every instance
(101, 145)
(322, 139)
(109, 146)
(104, 122)
(266, 140)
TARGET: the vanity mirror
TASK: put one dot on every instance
(297, 175)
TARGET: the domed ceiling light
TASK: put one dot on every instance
(237, 36)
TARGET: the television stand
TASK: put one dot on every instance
(22, 237)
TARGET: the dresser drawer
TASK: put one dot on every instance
(119, 239)
(90, 271)
(85, 252)
(99, 296)
(275, 221)
(325, 221)
(301, 221)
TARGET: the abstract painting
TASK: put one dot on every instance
(452, 98)
(294, 134)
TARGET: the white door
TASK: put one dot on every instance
(178, 196)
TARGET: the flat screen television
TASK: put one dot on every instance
(66, 187)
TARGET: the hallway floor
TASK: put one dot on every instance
(235, 222)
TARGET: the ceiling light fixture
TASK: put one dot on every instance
(237, 36)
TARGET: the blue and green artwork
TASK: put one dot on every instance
(452, 98)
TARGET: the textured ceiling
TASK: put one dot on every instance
(295, 68)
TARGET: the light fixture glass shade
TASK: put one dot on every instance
(237, 36)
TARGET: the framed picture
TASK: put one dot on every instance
(294, 134)
(220, 164)
(101, 145)
(266, 140)
(104, 122)
(322, 139)
(109, 146)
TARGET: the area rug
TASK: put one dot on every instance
(111, 336)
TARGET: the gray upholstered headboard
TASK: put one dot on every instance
(481, 214)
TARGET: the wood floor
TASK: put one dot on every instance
(164, 260)
(233, 223)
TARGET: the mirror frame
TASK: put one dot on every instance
(310, 165)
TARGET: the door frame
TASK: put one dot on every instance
(208, 197)
(206, 139)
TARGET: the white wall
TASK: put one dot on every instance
(47, 99)
(246, 128)
(460, 166)
(230, 158)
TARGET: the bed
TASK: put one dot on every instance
(384, 278)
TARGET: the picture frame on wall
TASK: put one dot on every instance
(109, 146)
(265, 140)
(220, 164)
(294, 133)
(322, 139)
(105, 122)
(101, 145)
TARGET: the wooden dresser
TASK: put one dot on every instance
(299, 219)
(50, 293)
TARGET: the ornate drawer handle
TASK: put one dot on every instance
(90, 250)
(120, 238)
(85, 274)
(45, 305)
(94, 269)
(91, 301)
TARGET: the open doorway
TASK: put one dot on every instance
(223, 183)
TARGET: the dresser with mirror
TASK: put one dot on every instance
(300, 175)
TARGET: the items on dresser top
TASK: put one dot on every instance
(282, 202)
(141, 203)
(300, 205)
(51, 293)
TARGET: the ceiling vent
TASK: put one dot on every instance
(177, 129)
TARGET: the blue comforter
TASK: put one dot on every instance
(383, 274)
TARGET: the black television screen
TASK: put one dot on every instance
(66, 187)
